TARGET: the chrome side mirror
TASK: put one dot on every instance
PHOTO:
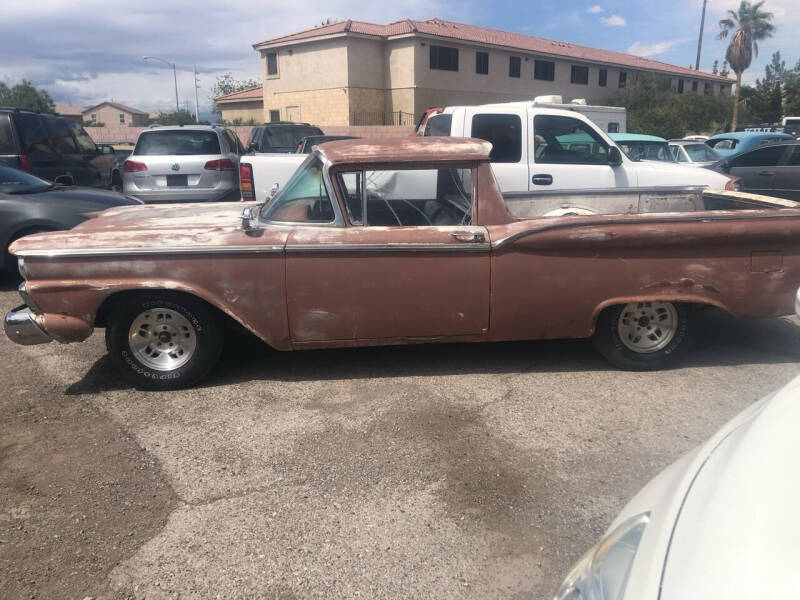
(273, 191)
(248, 214)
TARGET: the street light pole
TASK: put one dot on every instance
(700, 37)
(174, 77)
(196, 105)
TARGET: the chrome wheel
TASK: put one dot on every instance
(646, 327)
(162, 339)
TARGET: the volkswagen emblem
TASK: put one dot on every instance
(176, 167)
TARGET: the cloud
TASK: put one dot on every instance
(86, 56)
(655, 48)
(594, 9)
(613, 21)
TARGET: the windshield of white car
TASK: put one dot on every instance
(701, 153)
(14, 181)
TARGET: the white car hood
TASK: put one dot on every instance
(653, 173)
(737, 535)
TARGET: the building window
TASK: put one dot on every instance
(602, 79)
(680, 86)
(94, 118)
(707, 89)
(444, 58)
(580, 75)
(121, 117)
(613, 127)
(623, 79)
(274, 116)
(694, 86)
(544, 70)
(272, 63)
(514, 66)
(482, 63)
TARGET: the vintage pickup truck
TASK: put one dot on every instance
(348, 255)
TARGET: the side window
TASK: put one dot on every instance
(794, 159)
(350, 185)
(85, 143)
(763, 157)
(504, 132)
(677, 154)
(438, 125)
(7, 145)
(568, 141)
(304, 199)
(414, 197)
(33, 135)
(60, 136)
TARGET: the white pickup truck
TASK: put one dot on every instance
(536, 151)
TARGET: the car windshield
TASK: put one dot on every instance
(647, 150)
(723, 144)
(288, 136)
(181, 143)
(701, 153)
(14, 181)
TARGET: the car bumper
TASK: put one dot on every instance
(184, 195)
(21, 327)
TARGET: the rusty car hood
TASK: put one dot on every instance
(149, 226)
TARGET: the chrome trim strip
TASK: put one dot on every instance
(622, 191)
(700, 218)
(465, 247)
(74, 252)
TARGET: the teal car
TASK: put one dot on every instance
(728, 144)
(639, 146)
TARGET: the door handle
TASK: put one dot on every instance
(469, 236)
(542, 179)
(767, 173)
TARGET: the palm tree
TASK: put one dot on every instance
(750, 25)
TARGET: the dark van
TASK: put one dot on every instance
(56, 149)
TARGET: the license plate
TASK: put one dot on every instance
(177, 180)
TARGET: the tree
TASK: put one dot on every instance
(715, 68)
(226, 84)
(725, 71)
(749, 25)
(25, 95)
(181, 117)
(791, 91)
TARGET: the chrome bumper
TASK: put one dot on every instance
(21, 328)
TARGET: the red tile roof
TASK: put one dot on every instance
(251, 93)
(493, 37)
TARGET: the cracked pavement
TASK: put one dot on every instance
(463, 471)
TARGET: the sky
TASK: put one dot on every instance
(88, 51)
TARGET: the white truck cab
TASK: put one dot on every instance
(537, 148)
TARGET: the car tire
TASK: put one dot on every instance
(644, 336)
(116, 182)
(164, 340)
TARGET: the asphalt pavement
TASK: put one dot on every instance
(443, 471)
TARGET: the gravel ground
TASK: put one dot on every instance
(463, 471)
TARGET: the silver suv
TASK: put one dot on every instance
(192, 163)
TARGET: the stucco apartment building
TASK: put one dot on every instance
(357, 73)
(245, 105)
(113, 114)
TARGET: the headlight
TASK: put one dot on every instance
(602, 573)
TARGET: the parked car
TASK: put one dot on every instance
(403, 241)
(29, 204)
(191, 163)
(696, 138)
(638, 146)
(54, 148)
(791, 125)
(279, 137)
(771, 170)
(692, 152)
(544, 150)
(721, 522)
(305, 145)
(728, 144)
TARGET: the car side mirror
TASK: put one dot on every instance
(273, 190)
(614, 156)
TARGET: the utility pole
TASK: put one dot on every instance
(174, 77)
(700, 38)
(196, 105)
